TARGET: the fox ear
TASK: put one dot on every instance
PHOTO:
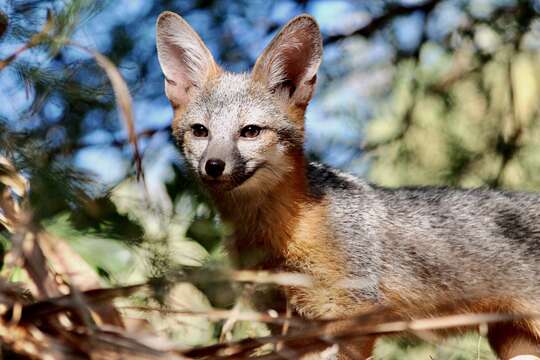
(185, 61)
(291, 61)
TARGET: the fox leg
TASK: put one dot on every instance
(515, 340)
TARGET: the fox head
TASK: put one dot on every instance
(239, 132)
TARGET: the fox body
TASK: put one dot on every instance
(242, 135)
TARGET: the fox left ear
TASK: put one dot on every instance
(291, 61)
(185, 61)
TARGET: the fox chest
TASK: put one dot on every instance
(330, 292)
(314, 250)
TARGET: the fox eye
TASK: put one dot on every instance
(250, 131)
(199, 130)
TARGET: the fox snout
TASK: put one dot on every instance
(214, 167)
(218, 162)
(222, 174)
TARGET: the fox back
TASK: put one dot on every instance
(242, 136)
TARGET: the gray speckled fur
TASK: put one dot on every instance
(461, 242)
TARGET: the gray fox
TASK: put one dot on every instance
(242, 136)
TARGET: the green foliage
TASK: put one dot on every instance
(468, 120)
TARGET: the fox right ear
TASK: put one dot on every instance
(185, 61)
(289, 64)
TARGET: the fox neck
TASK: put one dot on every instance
(264, 221)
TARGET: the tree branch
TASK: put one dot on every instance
(377, 23)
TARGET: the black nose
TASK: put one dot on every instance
(214, 167)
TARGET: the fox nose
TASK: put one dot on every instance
(214, 167)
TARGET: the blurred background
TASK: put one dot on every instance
(440, 92)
